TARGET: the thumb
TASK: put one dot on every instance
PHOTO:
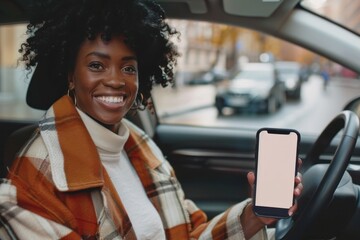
(251, 180)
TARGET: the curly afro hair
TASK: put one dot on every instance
(57, 29)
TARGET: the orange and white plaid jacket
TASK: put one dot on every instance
(57, 188)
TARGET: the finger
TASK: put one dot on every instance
(298, 190)
(298, 178)
(251, 178)
(299, 162)
(293, 209)
(298, 185)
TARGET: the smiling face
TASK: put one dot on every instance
(105, 80)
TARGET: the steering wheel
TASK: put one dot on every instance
(294, 227)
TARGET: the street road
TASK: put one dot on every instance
(195, 106)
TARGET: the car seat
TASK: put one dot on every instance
(13, 145)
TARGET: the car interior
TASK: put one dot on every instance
(211, 162)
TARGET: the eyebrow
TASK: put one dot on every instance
(104, 55)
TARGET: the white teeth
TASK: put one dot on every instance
(111, 99)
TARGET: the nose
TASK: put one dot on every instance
(115, 79)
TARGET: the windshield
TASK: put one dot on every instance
(305, 101)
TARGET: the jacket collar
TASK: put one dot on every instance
(75, 162)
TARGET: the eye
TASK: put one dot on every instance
(129, 70)
(96, 66)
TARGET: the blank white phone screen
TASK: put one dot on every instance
(276, 169)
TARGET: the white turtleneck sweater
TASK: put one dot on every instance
(142, 214)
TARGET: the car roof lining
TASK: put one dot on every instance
(248, 8)
(192, 6)
(12, 11)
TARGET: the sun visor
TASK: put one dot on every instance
(251, 8)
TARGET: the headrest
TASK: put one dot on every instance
(43, 89)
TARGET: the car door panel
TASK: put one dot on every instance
(211, 164)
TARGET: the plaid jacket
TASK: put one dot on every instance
(58, 189)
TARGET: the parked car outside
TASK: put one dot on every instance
(256, 88)
(208, 77)
(290, 73)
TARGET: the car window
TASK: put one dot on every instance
(13, 78)
(302, 99)
(202, 94)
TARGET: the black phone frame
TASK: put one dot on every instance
(273, 212)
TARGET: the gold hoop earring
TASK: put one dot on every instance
(71, 94)
(138, 103)
(142, 98)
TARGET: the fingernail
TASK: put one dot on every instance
(290, 213)
(297, 191)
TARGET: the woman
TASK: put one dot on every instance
(88, 173)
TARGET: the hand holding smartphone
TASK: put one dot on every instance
(276, 167)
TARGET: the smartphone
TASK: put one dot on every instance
(276, 167)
